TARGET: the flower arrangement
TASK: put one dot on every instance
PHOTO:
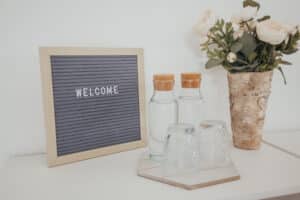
(247, 43)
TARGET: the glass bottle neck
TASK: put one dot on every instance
(190, 92)
(163, 95)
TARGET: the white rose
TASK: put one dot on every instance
(271, 32)
(252, 24)
(231, 57)
(294, 31)
(205, 22)
(237, 30)
(238, 34)
(236, 19)
(290, 29)
(235, 26)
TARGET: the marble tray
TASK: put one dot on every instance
(155, 171)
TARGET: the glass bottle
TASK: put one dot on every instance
(190, 101)
(162, 113)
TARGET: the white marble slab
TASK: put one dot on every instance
(189, 179)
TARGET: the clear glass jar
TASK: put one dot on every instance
(162, 113)
(214, 144)
(190, 102)
(182, 149)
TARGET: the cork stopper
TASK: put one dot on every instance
(190, 80)
(163, 82)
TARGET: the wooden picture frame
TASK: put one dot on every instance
(46, 56)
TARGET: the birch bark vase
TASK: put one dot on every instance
(249, 93)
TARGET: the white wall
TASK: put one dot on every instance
(162, 28)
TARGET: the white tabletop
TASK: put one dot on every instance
(288, 142)
(264, 173)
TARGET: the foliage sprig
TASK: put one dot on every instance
(246, 52)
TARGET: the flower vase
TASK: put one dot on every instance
(249, 93)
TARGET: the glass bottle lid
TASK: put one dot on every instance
(163, 82)
(190, 80)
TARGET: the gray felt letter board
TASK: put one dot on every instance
(97, 104)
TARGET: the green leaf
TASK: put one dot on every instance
(252, 57)
(213, 63)
(249, 44)
(251, 3)
(239, 68)
(254, 65)
(242, 61)
(289, 51)
(236, 47)
(284, 62)
(282, 74)
(264, 18)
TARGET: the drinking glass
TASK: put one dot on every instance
(182, 151)
(214, 144)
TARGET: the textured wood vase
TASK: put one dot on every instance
(249, 93)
